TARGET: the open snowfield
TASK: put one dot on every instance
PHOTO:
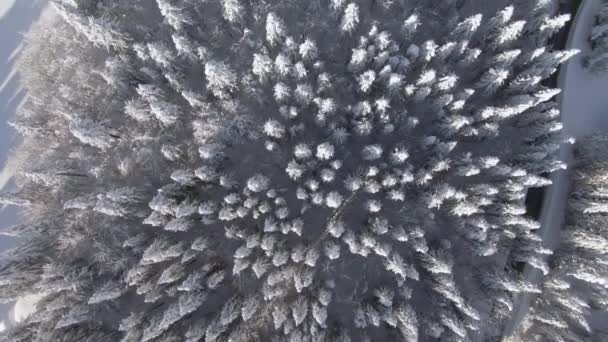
(584, 111)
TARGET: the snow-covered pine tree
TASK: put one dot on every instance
(597, 59)
(327, 171)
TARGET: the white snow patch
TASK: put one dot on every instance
(5, 6)
(8, 78)
(18, 91)
(15, 53)
(25, 306)
(22, 102)
(5, 176)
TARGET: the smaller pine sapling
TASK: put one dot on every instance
(250, 307)
(165, 112)
(179, 225)
(258, 183)
(282, 93)
(299, 310)
(260, 266)
(214, 330)
(465, 29)
(334, 200)
(508, 34)
(283, 66)
(449, 320)
(275, 29)
(262, 66)
(336, 228)
(215, 279)
(96, 134)
(194, 281)
(372, 152)
(233, 10)
(109, 291)
(274, 129)
(332, 250)
(311, 257)
(308, 50)
(295, 170)
(279, 315)
(366, 81)
(410, 25)
(161, 250)
(81, 202)
(350, 18)
(325, 151)
(372, 315)
(385, 296)
(337, 5)
(171, 274)
(161, 53)
(319, 313)
(76, 315)
(280, 258)
(597, 60)
(303, 279)
(298, 253)
(221, 80)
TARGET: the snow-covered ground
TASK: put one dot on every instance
(15, 19)
(5, 6)
(584, 110)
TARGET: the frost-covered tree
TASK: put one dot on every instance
(248, 170)
(597, 60)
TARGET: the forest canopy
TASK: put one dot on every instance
(231, 170)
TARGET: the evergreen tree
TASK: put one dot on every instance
(597, 60)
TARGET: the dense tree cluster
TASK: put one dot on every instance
(280, 170)
(576, 288)
(597, 60)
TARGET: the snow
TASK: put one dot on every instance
(5, 7)
(14, 54)
(25, 306)
(10, 92)
(583, 110)
(15, 18)
(5, 176)
(8, 79)
(584, 98)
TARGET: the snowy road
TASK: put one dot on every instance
(584, 110)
